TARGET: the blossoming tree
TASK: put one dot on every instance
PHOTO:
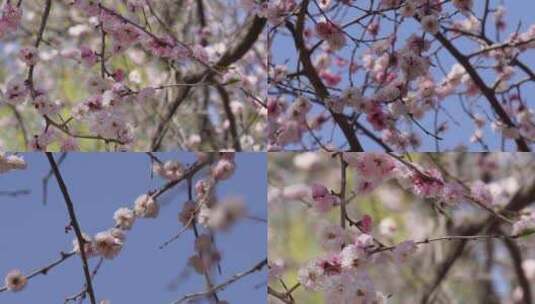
(204, 222)
(131, 75)
(400, 75)
(388, 228)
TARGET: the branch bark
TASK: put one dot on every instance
(231, 56)
(485, 90)
(516, 256)
(75, 225)
(523, 198)
(231, 118)
(315, 80)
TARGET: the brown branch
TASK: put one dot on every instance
(232, 55)
(516, 256)
(522, 199)
(485, 90)
(283, 296)
(75, 225)
(63, 128)
(231, 118)
(343, 182)
(83, 292)
(202, 19)
(44, 20)
(47, 177)
(315, 80)
(22, 126)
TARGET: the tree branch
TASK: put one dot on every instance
(485, 90)
(75, 225)
(315, 80)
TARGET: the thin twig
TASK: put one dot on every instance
(234, 278)
(48, 176)
(44, 270)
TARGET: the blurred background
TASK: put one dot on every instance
(484, 272)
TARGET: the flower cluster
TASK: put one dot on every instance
(525, 225)
(204, 214)
(110, 79)
(170, 170)
(372, 168)
(109, 243)
(331, 33)
(15, 280)
(207, 256)
(9, 162)
(359, 245)
(10, 19)
(275, 11)
(209, 212)
(343, 273)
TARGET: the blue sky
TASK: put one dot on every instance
(460, 131)
(100, 183)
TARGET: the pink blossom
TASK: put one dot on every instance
(11, 18)
(365, 186)
(364, 241)
(332, 236)
(481, 193)
(16, 91)
(430, 24)
(366, 223)
(107, 244)
(525, 225)
(311, 275)
(453, 192)
(323, 199)
(41, 141)
(427, 184)
(330, 79)
(377, 117)
(15, 281)
(29, 55)
(352, 257)
(371, 166)
(90, 7)
(463, 5)
(276, 269)
(44, 106)
(88, 56)
(69, 144)
(11, 162)
(223, 169)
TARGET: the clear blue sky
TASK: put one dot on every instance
(100, 183)
(283, 50)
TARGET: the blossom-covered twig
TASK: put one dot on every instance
(45, 269)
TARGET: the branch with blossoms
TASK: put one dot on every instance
(203, 214)
(399, 75)
(109, 75)
(388, 228)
